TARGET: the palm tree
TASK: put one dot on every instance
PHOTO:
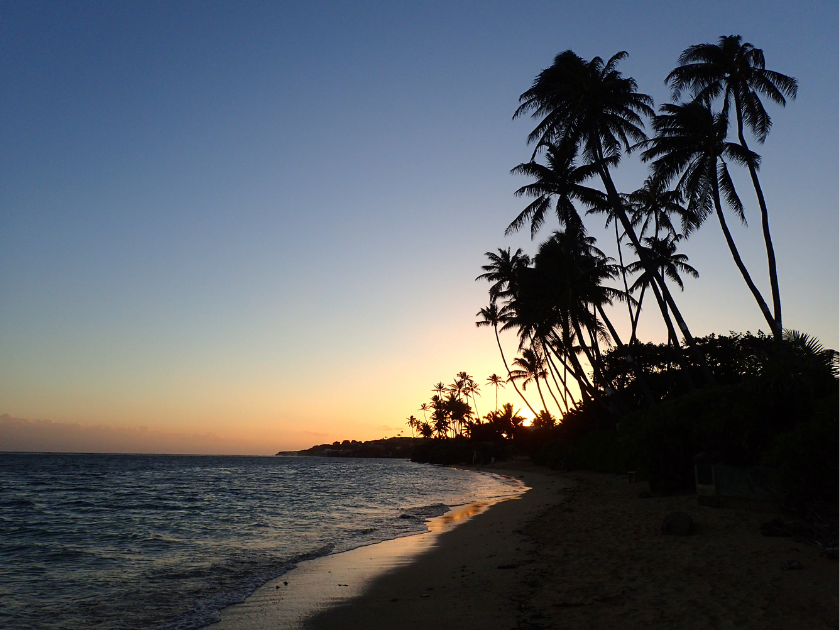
(424, 407)
(663, 250)
(560, 181)
(530, 369)
(496, 381)
(735, 69)
(413, 423)
(654, 205)
(491, 316)
(691, 145)
(590, 105)
(469, 388)
(503, 271)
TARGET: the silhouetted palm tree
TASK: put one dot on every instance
(560, 181)
(491, 316)
(503, 271)
(670, 264)
(735, 70)
(413, 423)
(496, 381)
(691, 145)
(592, 106)
(530, 369)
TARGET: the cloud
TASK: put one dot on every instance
(22, 434)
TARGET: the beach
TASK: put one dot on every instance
(577, 550)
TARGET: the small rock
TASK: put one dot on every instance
(678, 524)
(791, 565)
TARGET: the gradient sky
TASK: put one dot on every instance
(241, 227)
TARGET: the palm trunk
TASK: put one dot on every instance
(765, 227)
(552, 369)
(637, 370)
(635, 321)
(674, 351)
(624, 276)
(650, 267)
(545, 377)
(565, 393)
(512, 382)
(586, 388)
(740, 264)
(617, 408)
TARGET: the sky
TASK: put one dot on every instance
(245, 227)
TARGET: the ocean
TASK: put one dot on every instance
(135, 542)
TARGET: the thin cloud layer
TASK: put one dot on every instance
(27, 435)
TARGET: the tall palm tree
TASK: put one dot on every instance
(496, 381)
(491, 316)
(503, 271)
(691, 145)
(670, 264)
(735, 69)
(590, 105)
(530, 369)
(559, 181)
(413, 424)
(469, 388)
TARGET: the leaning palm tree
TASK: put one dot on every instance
(530, 369)
(559, 182)
(503, 271)
(590, 105)
(691, 146)
(735, 69)
(496, 381)
(670, 264)
(413, 424)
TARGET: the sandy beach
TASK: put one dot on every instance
(578, 550)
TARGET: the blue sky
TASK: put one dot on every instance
(261, 221)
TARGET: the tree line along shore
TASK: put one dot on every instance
(606, 402)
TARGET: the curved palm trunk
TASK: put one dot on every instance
(650, 267)
(565, 393)
(547, 360)
(586, 388)
(635, 321)
(637, 370)
(502, 352)
(624, 277)
(740, 264)
(674, 352)
(597, 368)
(539, 391)
(765, 226)
(617, 407)
(552, 369)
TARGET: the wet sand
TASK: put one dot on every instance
(578, 550)
(333, 581)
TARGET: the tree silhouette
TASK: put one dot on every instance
(691, 145)
(496, 381)
(590, 105)
(735, 70)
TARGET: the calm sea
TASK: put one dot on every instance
(156, 541)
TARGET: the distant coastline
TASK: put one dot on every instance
(393, 448)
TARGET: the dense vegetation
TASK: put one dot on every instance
(750, 399)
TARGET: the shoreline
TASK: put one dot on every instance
(329, 582)
(575, 551)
